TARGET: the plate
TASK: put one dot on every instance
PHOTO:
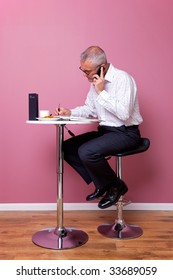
(49, 119)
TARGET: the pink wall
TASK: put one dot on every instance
(40, 44)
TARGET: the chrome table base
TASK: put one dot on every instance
(50, 238)
(120, 231)
(60, 237)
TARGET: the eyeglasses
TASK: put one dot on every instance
(88, 72)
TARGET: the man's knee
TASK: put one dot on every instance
(85, 153)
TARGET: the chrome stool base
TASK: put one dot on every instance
(120, 231)
(66, 238)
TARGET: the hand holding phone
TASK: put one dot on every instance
(98, 82)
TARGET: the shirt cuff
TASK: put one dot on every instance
(74, 113)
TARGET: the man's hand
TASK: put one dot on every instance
(60, 111)
(98, 81)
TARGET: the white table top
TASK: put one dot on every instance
(64, 121)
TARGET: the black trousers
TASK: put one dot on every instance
(87, 152)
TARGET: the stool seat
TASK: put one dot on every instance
(143, 146)
(119, 229)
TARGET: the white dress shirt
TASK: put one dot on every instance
(116, 105)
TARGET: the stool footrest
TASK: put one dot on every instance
(120, 230)
(123, 202)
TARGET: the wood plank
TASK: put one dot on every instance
(17, 228)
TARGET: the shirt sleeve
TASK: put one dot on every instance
(87, 110)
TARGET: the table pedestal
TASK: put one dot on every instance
(60, 237)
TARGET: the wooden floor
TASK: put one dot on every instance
(17, 228)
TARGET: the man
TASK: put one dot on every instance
(112, 98)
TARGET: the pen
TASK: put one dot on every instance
(58, 108)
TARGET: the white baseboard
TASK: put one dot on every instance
(81, 206)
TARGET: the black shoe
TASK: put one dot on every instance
(96, 194)
(113, 195)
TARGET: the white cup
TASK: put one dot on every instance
(44, 113)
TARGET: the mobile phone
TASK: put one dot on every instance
(99, 71)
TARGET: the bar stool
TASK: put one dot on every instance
(119, 229)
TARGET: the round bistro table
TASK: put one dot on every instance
(60, 237)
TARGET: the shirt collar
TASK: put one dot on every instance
(110, 73)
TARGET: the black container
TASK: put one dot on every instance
(33, 106)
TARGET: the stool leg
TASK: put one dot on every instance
(119, 229)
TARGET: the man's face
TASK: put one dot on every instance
(88, 69)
